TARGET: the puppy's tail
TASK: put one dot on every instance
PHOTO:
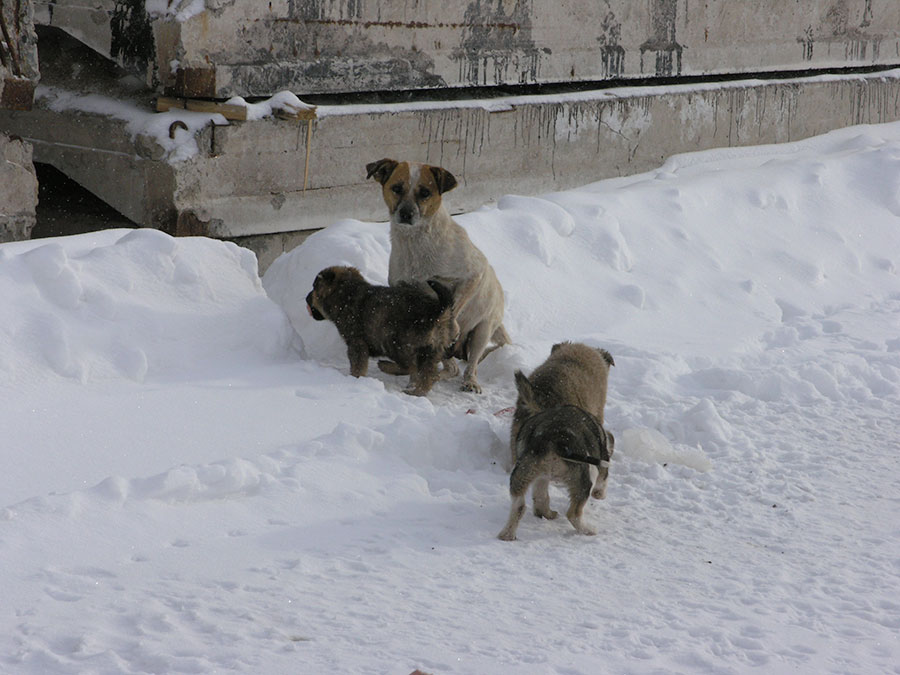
(584, 459)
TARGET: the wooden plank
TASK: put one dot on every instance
(228, 110)
(296, 114)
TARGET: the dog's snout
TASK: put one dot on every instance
(405, 213)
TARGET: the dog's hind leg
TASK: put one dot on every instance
(521, 477)
(516, 511)
(477, 342)
(451, 369)
(392, 368)
(541, 495)
(499, 338)
(578, 497)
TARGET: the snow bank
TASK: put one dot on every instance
(136, 304)
(184, 493)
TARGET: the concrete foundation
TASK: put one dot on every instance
(18, 189)
(244, 48)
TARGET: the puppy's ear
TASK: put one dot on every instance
(526, 391)
(556, 346)
(381, 170)
(445, 180)
(327, 275)
(607, 357)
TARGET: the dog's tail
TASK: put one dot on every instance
(584, 459)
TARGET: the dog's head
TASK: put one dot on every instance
(411, 191)
(324, 285)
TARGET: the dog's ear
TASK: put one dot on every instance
(442, 291)
(381, 170)
(445, 180)
(606, 357)
(526, 391)
(326, 275)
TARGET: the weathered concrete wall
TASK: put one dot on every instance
(526, 145)
(18, 189)
(239, 47)
(19, 70)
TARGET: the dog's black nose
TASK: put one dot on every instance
(405, 214)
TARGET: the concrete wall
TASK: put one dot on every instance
(248, 48)
(526, 145)
(18, 189)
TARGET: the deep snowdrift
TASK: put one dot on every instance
(192, 486)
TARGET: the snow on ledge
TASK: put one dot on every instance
(180, 10)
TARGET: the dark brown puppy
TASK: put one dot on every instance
(564, 444)
(410, 324)
(573, 374)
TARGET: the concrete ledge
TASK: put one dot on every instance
(521, 145)
(247, 179)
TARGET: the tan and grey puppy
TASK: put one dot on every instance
(410, 324)
(564, 444)
(426, 242)
(573, 374)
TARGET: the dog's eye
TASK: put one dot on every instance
(397, 189)
(424, 193)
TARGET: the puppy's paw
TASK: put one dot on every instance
(549, 514)
(471, 385)
(583, 528)
(506, 535)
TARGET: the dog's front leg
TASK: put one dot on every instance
(358, 353)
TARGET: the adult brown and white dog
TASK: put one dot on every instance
(426, 242)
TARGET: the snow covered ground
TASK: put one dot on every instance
(193, 483)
